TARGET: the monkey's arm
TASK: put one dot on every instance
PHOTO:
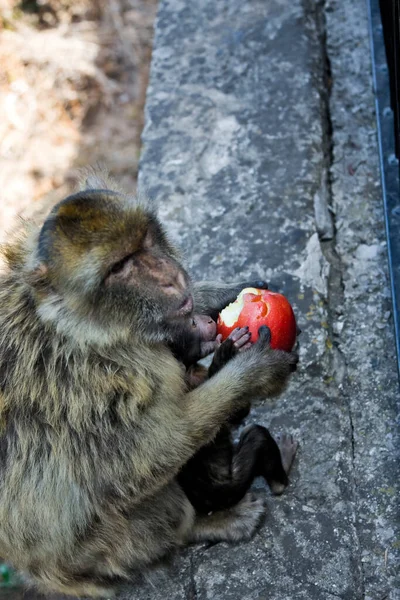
(222, 356)
(238, 340)
(211, 297)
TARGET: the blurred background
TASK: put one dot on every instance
(73, 79)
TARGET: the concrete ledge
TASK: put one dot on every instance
(259, 128)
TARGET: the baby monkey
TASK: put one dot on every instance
(220, 474)
(197, 339)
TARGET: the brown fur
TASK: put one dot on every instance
(95, 418)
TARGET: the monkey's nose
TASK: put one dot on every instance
(170, 289)
(181, 281)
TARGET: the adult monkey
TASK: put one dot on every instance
(95, 420)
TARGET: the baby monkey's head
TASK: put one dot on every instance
(195, 339)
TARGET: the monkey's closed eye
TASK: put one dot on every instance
(118, 266)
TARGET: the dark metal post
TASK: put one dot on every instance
(385, 47)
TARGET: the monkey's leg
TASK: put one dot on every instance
(288, 448)
(274, 458)
(231, 525)
(219, 475)
(209, 468)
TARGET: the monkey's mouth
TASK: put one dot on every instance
(186, 306)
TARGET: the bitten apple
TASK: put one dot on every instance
(254, 308)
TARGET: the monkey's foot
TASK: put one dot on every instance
(232, 525)
(288, 447)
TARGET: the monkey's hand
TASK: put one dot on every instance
(274, 366)
(254, 283)
(238, 341)
(210, 298)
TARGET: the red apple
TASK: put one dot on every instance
(254, 308)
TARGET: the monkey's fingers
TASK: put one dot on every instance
(237, 334)
(264, 337)
(218, 340)
(245, 347)
(242, 340)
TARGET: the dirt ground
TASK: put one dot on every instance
(73, 79)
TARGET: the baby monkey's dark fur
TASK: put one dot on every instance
(218, 476)
(96, 419)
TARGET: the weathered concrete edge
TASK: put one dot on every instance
(355, 195)
(335, 251)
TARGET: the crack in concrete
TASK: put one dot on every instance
(335, 299)
(191, 591)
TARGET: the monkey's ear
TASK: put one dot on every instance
(38, 276)
(98, 178)
(94, 181)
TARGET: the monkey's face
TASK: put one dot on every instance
(149, 284)
(109, 262)
(193, 338)
(204, 333)
(204, 327)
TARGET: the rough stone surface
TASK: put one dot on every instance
(366, 341)
(259, 120)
